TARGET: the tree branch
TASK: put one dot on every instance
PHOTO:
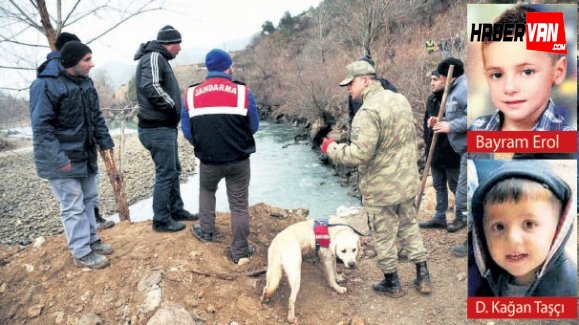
(14, 89)
(64, 22)
(16, 68)
(27, 18)
(121, 22)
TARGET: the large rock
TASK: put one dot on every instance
(172, 314)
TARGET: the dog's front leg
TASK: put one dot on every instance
(339, 278)
(330, 271)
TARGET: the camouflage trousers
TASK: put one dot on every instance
(392, 222)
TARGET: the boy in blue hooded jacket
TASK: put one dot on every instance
(523, 218)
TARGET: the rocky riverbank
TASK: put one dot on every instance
(29, 210)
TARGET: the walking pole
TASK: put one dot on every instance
(433, 143)
(117, 183)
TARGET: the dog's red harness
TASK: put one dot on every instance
(321, 233)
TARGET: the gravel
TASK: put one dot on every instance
(28, 209)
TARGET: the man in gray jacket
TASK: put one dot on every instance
(454, 125)
(159, 99)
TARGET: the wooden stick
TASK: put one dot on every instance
(434, 138)
(118, 185)
(230, 277)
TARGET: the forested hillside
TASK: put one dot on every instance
(294, 68)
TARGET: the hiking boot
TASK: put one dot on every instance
(390, 286)
(184, 215)
(200, 234)
(167, 226)
(457, 224)
(433, 223)
(422, 281)
(92, 260)
(459, 250)
(249, 253)
(101, 248)
(102, 223)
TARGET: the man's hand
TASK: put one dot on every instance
(442, 127)
(326, 143)
(431, 121)
(66, 168)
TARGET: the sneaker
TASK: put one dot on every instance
(433, 223)
(92, 260)
(200, 234)
(249, 253)
(101, 248)
(184, 215)
(167, 226)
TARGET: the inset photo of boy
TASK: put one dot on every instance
(523, 232)
(513, 88)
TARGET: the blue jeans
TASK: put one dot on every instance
(162, 145)
(76, 197)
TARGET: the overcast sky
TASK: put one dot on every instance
(203, 24)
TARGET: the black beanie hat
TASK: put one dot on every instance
(445, 64)
(64, 38)
(168, 35)
(72, 52)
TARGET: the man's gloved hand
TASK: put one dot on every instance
(326, 143)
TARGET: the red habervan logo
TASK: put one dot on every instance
(545, 31)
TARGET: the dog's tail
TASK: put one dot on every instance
(273, 276)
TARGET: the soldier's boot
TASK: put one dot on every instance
(390, 286)
(102, 223)
(422, 281)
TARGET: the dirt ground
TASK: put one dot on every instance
(151, 271)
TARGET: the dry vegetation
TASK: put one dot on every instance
(294, 70)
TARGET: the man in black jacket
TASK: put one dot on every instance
(68, 128)
(159, 99)
(445, 164)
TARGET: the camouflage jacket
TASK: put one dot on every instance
(383, 146)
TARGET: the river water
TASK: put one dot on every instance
(283, 174)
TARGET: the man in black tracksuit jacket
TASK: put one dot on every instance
(159, 101)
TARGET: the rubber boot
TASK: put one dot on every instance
(422, 281)
(390, 286)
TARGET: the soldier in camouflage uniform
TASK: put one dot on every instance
(383, 146)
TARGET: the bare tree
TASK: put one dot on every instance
(28, 27)
(103, 85)
(367, 20)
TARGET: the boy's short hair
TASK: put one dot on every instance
(517, 189)
(518, 15)
(517, 179)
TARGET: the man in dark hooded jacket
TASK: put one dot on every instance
(67, 128)
(445, 161)
(52, 66)
(159, 99)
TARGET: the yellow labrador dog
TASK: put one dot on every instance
(286, 250)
